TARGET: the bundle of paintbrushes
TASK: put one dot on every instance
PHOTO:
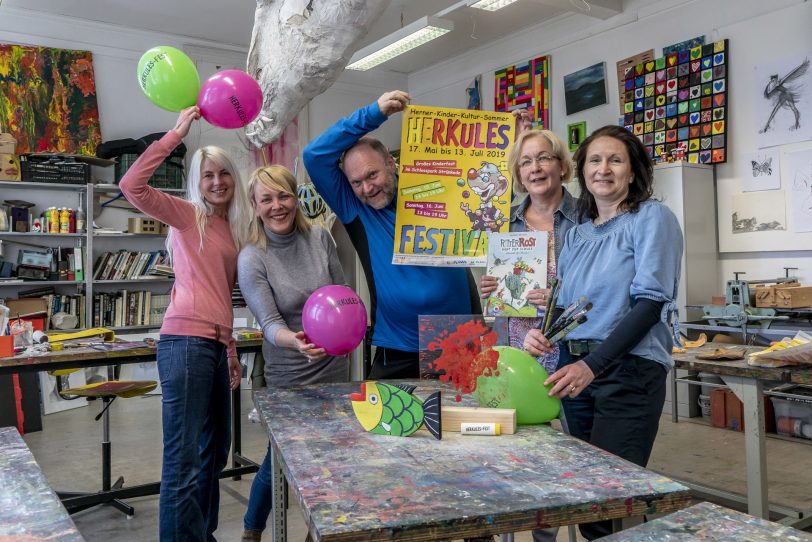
(572, 317)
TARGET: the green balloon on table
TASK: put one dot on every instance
(519, 385)
(168, 78)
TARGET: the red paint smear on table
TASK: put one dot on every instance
(466, 354)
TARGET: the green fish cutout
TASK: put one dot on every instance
(387, 409)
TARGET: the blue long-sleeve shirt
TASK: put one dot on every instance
(632, 256)
(399, 292)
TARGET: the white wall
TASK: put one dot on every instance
(758, 31)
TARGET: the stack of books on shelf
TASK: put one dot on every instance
(128, 265)
(161, 270)
(55, 303)
(126, 309)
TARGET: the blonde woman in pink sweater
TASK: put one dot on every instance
(197, 361)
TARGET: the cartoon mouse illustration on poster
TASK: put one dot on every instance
(488, 183)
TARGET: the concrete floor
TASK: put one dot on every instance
(69, 453)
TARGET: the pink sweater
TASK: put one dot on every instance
(201, 296)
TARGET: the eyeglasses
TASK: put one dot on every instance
(543, 159)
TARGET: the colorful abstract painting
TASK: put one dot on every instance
(48, 99)
(525, 86)
(679, 103)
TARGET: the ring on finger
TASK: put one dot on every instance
(572, 389)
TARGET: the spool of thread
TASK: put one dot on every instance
(40, 337)
(486, 429)
(794, 426)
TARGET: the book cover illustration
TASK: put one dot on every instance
(518, 260)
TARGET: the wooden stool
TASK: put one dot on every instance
(108, 392)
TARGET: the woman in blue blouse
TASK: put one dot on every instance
(540, 165)
(626, 260)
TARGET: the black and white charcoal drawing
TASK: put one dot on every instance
(784, 101)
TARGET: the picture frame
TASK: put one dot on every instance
(585, 88)
(576, 133)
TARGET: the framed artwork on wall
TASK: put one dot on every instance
(585, 88)
(522, 86)
(680, 101)
(48, 99)
(576, 133)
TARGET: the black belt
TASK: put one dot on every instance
(583, 347)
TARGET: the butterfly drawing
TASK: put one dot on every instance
(762, 168)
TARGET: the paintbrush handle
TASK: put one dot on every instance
(547, 314)
(556, 287)
(564, 332)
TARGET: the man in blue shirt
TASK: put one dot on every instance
(357, 177)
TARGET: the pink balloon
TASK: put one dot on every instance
(230, 99)
(335, 318)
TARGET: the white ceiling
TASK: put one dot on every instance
(231, 21)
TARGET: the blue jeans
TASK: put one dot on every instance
(261, 498)
(197, 432)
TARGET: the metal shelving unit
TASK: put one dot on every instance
(85, 239)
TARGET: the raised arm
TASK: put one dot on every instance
(172, 210)
(323, 154)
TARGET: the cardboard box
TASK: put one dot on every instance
(9, 167)
(790, 295)
(27, 306)
(8, 144)
(717, 398)
(727, 411)
(734, 412)
(144, 225)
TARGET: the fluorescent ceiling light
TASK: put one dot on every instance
(491, 5)
(407, 38)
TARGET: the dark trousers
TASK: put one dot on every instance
(620, 413)
(389, 364)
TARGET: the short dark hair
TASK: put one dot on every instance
(641, 188)
(370, 143)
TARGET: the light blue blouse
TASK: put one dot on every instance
(631, 256)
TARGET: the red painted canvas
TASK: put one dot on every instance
(48, 99)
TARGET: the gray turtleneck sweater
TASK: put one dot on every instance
(276, 282)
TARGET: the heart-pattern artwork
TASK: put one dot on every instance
(718, 156)
(718, 86)
(718, 127)
(680, 101)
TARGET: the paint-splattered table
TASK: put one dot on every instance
(91, 357)
(710, 522)
(357, 486)
(29, 508)
(747, 382)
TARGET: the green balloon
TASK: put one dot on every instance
(168, 78)
(519, 385)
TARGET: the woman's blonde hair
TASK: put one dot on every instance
(239, 210)
(559, 150)
(279, 178)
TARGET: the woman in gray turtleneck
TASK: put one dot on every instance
(285, 261)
